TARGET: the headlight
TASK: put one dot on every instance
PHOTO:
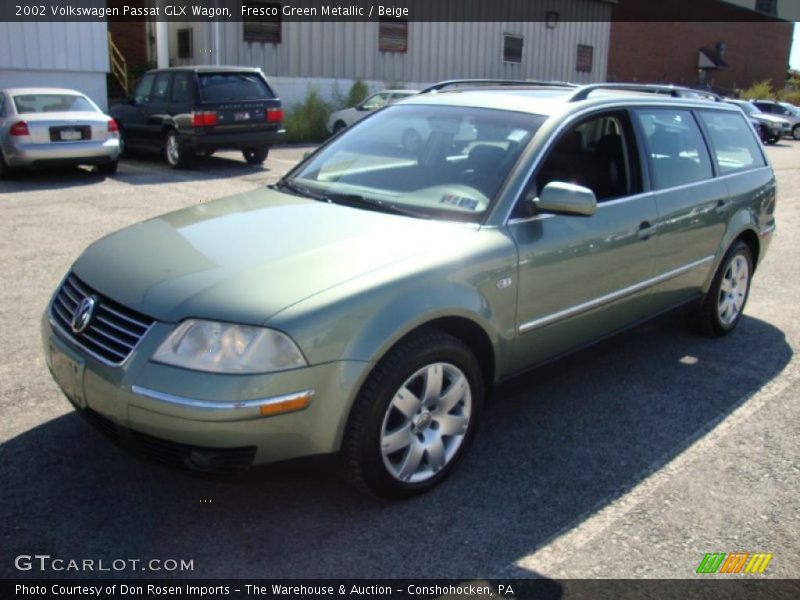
(227, 348)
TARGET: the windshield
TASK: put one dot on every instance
(44, 103)
(429, 161)
(223, 87)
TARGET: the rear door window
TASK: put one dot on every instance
(226, 87)
(161, 87)
(674, 146)
(733, 144)
(182, 88)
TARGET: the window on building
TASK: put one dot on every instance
(392, 35)
(767, 6)
(512, 48)
(185, 49)
(263, 22)
(585, 58)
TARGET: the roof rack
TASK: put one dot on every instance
(437, 87)
(670, 90)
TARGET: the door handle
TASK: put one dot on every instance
(646, 229)
(722, 207)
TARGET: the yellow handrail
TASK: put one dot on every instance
(119, 66)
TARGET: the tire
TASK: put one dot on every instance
(255, 156)
(338, 127)
(412, 141)
(724, 304)
(108, 168)
(772, 141)
(177, 157)
(395, 445)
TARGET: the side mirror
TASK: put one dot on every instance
(566, 199)
(361, 107)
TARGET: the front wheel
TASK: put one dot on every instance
(255, 156)
(177, 157)
(724, 304)
(414, 417)
(796, 132)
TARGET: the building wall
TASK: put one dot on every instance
(788, 10)
(667, 52)
(72, 55)
(318, 52)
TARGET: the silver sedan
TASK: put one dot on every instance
(51, 126)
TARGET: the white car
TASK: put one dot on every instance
(40, 127)
(341, 119)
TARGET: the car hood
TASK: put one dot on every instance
(244, 258)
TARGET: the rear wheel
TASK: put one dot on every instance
(414, 417)
(255, 156)
(177, 157)
(724, 304)
(772, 141)
(339, 126)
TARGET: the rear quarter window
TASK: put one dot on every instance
(226, 87)
(732, 142)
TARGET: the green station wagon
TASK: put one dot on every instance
(368, 302)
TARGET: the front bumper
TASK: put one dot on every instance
(185, 414)
(78, 153)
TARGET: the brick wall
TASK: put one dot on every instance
(131, 39)
(667, 52)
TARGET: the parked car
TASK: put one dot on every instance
(41, 127)
(367, 303)
(770, 127)
(778, 109)
(347, 116)
(185, 112)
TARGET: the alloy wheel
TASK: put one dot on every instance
(733, 290)
(425, 423)
(173, 151)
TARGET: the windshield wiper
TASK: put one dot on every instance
(284, 184)
(357, 201)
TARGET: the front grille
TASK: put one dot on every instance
(113, 330)
(214, 461)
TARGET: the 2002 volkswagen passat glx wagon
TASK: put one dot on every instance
(367, 302)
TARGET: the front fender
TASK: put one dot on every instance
(363, 318)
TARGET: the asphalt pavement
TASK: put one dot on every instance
(630, 459)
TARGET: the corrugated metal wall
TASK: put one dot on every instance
(54, 46)
(436, 51)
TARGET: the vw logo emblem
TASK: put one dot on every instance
(83, 314)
